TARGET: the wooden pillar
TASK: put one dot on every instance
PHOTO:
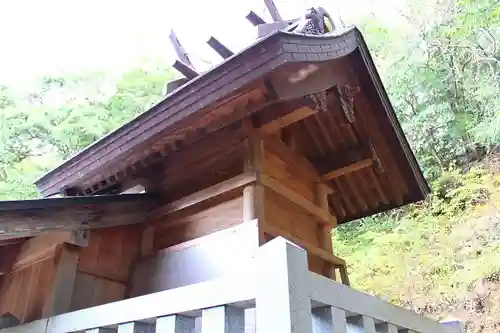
(325, 231)
(59, 297)
(254, 195)
(147, 241)
(249, 211)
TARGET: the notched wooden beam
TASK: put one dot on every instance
(255, 19)
(179, 50)
(185, 69)
(183, 64)
(273, 10)
(220, 48)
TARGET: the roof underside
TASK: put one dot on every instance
(358, 143)
(29, 218)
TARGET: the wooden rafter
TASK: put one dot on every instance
(354, 188)
(311, 130)
(378, 187)
(351, 210)
(337, 206)
(367, 189)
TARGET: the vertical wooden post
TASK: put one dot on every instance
(324, 231)
(147, 241)
(59, 297)
(282, 289)
(249, 212)
(254, 195)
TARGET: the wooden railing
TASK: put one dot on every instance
(287, 298)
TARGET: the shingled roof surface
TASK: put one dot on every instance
(265, 55)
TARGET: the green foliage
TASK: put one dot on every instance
(55, 117)
(428, 256)
(441, 66)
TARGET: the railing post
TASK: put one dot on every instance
(223, 319)
(361, 324)
(134, 327)
(175, 324)
(282, 293)
(329, 319)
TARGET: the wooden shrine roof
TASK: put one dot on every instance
(358, 144)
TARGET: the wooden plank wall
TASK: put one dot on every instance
(201, 219)
(24, 292)
(105, 266)
(293, 203)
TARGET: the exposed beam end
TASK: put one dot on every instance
(185, 69)
(348, 169)
(294, 116)
(220, 48)
(255, 19)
